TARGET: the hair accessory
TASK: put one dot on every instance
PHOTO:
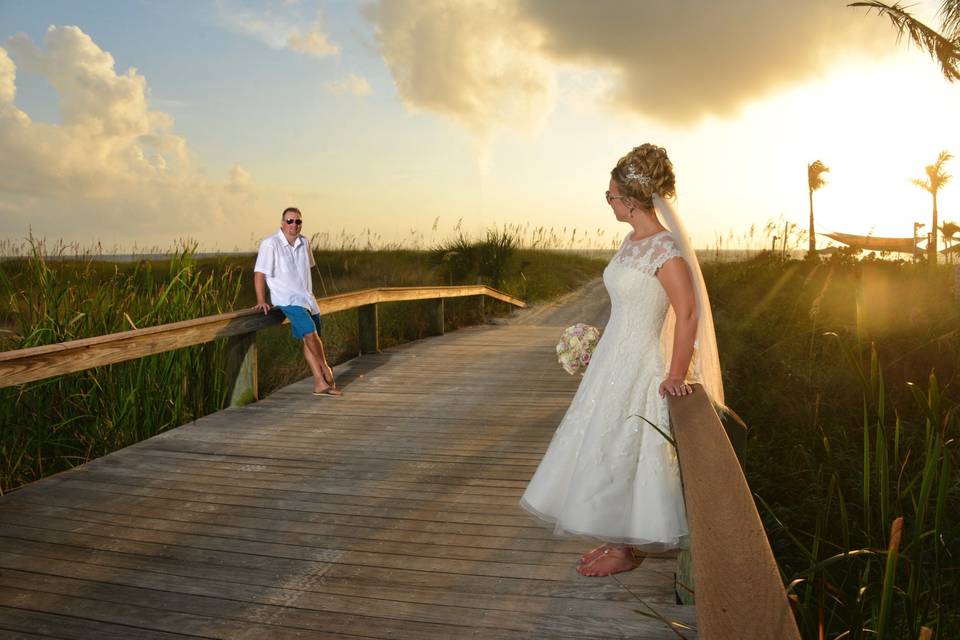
(632, 175)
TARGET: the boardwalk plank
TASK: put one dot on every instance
(307, 594)
(25, 623)
(231, 567)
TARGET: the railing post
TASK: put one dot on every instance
(685, 581)
(369, 327)
(684, 584)
(242, 368)
(483, 308)
(438, 317)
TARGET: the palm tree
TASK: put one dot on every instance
(936, 178)
(949, 230)
(943, 46)
(814, 182)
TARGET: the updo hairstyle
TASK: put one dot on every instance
(644, 171)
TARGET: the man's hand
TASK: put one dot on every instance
(260, 288)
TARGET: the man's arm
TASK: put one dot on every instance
(260, 286)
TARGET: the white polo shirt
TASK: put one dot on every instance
(287, 269)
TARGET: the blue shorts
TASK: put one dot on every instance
(302, 322)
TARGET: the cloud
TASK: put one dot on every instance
(315, 42)
(278, 28)
(685, 59)
(490, 63)
(476, 63)
(8, 79)
(352, 85)
(111, 160)
(240, 182)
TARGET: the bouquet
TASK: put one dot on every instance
(576, 346)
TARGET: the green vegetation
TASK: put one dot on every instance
(846, 373)
(54, 424)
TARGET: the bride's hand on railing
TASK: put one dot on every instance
(675, 387)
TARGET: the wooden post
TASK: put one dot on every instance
(685, 579)
(684, 583)
(242, 368)
(369, 328)
(483, 308)
(438, 317)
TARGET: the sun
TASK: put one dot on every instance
(876, 128)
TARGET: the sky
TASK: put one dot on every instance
(136, 124)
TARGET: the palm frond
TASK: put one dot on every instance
(939, 177)
(936, 176)
(814, 178)
(941, 48)
(944, 157)
(950, 18)
(949, 229)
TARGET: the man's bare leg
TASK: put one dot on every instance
(324, 365)
(316, 359)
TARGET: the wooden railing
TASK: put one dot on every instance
(239, 327)
(734, 579)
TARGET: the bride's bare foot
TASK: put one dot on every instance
(613, 559)
(591, 555)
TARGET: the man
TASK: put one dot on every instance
(283, 266)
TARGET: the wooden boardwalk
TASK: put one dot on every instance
(390, 513)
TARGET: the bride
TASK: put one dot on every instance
(610, 472)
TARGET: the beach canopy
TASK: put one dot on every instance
(875, 243)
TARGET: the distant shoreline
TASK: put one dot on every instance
(705, 255)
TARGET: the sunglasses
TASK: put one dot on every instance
(295, 221)
(611, 198)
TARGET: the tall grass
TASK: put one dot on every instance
(892, 570)
(53, 424)
(846, 372)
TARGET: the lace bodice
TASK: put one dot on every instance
(638, 302)
(648, 254)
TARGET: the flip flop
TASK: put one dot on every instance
(326, 392)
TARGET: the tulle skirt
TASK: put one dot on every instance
(608, 474)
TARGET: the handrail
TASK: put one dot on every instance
(738, 590)
(37, 363)
(343, 301)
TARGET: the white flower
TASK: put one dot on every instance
(576, 347)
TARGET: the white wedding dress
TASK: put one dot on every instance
(607, 474)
